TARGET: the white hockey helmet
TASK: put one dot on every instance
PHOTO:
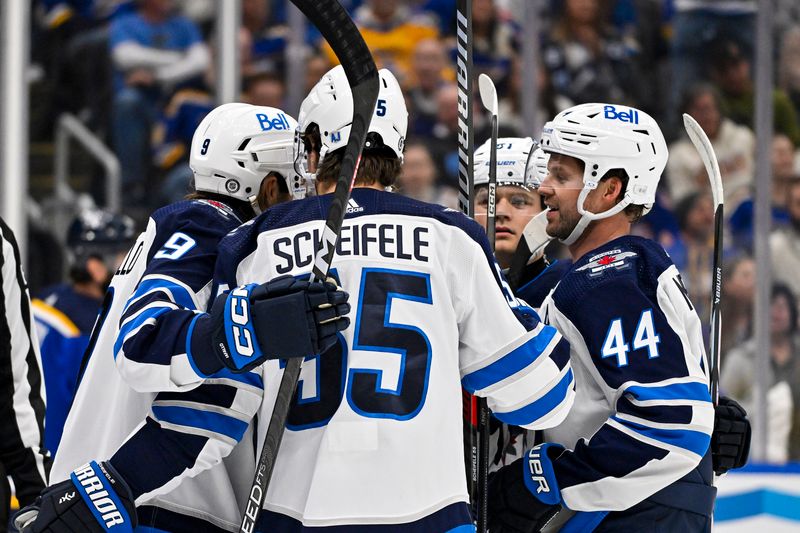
(329, 105)
(237, 145)
(536, 167)
(607, 137)
(513, 154)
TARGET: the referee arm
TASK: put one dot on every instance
(22, 395)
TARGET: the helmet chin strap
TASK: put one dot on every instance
(587, 216)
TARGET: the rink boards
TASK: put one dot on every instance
(759, 498)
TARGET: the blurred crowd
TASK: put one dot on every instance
(141, 74)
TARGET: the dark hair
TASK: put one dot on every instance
(378, 165)
(724, 52)
(684, 207)
(633, 211)
(697, 90)
(253, 79)
(779, 289)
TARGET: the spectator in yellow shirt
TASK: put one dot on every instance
(392, 31)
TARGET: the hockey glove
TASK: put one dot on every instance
(730, 441)
(524, 496)
(95, 499)
(279, 319)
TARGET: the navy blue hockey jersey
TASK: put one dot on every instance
(140, 402)
(643, 414)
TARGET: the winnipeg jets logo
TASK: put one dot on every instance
(353, 207)
(66, 497)
(611, 259)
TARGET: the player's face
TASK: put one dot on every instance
(560, 190)
(514, 208)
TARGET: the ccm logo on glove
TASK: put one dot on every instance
(86, 478)
(243, 340)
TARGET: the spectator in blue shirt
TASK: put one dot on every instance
(152, 50)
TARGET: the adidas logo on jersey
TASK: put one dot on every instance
(353, 207)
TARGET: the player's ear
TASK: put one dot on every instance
(613, 190)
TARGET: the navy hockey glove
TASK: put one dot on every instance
(279, 319)
(524, 496)
(730, 441)
(94, 500)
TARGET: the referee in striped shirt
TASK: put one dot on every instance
(22, 397)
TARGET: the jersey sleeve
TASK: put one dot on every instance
(507, 354)
(647, 355)
(187, 433)
(195, 420)
(151, 346)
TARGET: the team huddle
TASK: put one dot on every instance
(602, 355)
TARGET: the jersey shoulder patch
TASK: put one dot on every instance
(634, 261)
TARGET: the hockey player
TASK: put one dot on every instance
(521, 164)
(65, 314)
(374, 436)
(632, 454)
(126, 446)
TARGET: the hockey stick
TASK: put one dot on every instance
(338, 29)
(467, 205)
(706, 150)
(489, 99)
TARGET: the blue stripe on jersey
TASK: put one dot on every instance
(216, 422)
(189, 354)
(131, 325)
(694, 441)
(542, 406)
(511, 363)
(675, 391)
(179, 293)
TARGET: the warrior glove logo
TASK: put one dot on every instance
(94, 489)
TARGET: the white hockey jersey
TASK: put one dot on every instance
(374, 435)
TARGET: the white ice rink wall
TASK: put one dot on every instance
(759, 498)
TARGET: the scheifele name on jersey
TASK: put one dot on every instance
(392, 241)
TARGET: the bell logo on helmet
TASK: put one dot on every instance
(611, 113)
(268, 124)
